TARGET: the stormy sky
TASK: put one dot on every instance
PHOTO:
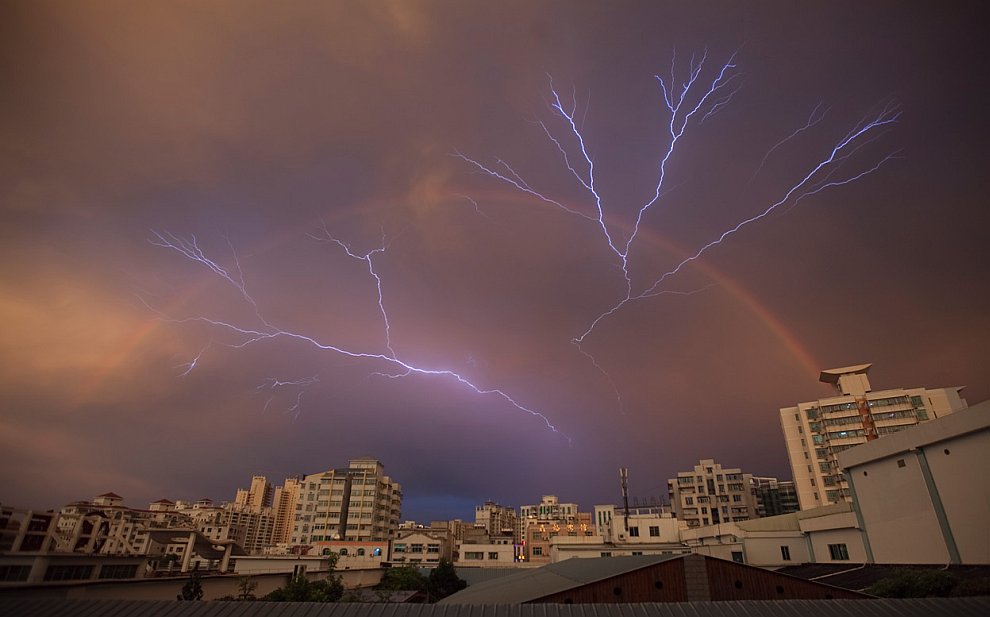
(261, 128)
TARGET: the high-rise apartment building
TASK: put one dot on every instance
(256, 498)
(709, 495)
(496, 519)
(284, 510)
(357, 503)
(816, 431)
(773, 496)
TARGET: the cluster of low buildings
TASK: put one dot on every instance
(894, 476)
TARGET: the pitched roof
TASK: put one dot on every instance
(530, 584)
(915, 607)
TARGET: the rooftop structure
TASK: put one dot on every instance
(816, 431)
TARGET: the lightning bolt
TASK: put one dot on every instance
(274, 384)
(268, 331)
(687, 99)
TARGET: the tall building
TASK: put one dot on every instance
(284, 510)
(709, 495)
(496, 519)
(357, 503)
(256, 498)
(816, 431)
(773, 496)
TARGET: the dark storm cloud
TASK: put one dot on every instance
(255, 125)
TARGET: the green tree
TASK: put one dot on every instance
(444, 581)
(404, 578)
(301, 589)
(192, 590)
(915, 584)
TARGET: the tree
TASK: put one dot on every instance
(245, 588)
(404, 578)
(915, 584)
(192, 590)
(444, 581)
(301, 589)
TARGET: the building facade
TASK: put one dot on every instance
(815, 432)
(922, 495)
(774, 497)
(710, 494)
(541, 523)
(357, 503)
(495, 518)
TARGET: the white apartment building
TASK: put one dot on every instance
(710, 494)
(357, 503)
(816, 431)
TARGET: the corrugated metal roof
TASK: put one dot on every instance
(957, 607)
(531, 584)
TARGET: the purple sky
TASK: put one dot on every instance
(250, 127)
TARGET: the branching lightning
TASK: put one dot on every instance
(685, 100)
(693, 99)
(247, 336)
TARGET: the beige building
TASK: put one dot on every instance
(357, 503)
(922, 495)
(496, 519)
(829, 534)
(710, 494)
(422, 547)
(539, 524)
(815, 432)
(284, 501)
(256, 498)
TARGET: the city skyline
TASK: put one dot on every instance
(317, 150)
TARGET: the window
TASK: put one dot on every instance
(360, 552)
(432, 548)
(343, 551)
(785, 553)
(689, 500)
(493, 556)
(68, 573)
(415, 548)
(654, 531)
(538, 551)
(118, 571)
(474, 555)
(838, 552)
(634, 532)
(14, 573)
(606, 553)
(737, 556)
(398, 548)
(637, 552)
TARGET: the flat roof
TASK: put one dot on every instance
(831, 375)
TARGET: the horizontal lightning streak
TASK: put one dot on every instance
(249, 336)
